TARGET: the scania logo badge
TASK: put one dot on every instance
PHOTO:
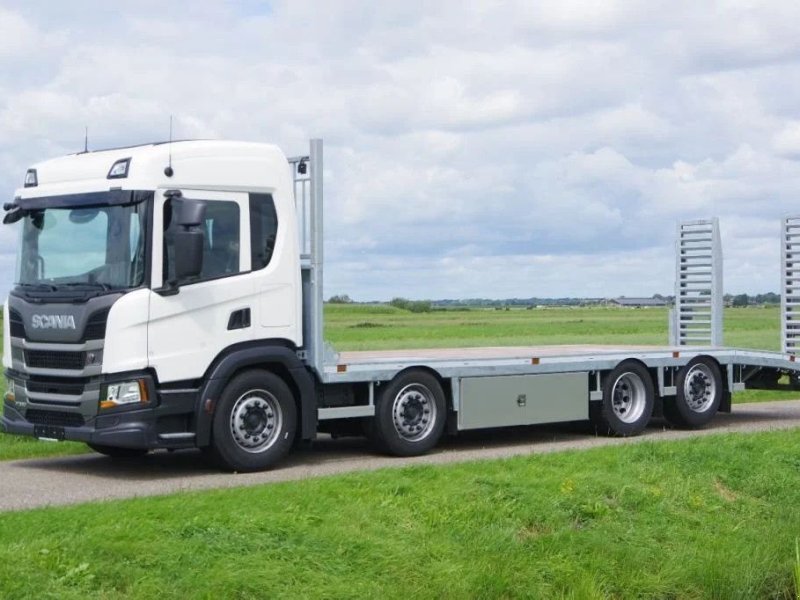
(53, 322)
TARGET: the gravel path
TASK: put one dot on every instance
(70, 480)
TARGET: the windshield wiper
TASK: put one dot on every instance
(39, 286)
(92, 285)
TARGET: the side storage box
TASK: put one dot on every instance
(522, 400)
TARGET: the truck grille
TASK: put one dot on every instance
(15, 325)
(54, 418)
(68, 388)
(52, 359)
(96, 326)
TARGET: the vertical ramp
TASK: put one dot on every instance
(790, 284)
(698, 285)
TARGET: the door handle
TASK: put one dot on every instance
(239, 319)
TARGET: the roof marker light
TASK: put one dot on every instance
(31, 180)
(119, 170)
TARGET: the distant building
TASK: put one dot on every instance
(637, 302)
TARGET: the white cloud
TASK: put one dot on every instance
(787, 141)
(481, 149)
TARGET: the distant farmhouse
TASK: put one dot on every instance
(638, 302)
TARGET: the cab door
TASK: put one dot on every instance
(189, 326)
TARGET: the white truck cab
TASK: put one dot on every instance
(109, 330)
(170, 296)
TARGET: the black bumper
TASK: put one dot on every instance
(169, 425)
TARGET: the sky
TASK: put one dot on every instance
(472, 149)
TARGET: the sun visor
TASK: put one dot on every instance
(108, 198)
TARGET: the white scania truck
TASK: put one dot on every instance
(170, 296)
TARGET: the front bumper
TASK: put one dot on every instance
(167, 424)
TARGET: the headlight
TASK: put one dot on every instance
(126, 392)
(9, 396)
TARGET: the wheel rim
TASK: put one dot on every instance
(256, 420)
(414, 412)
(629, 397)
(699, 388)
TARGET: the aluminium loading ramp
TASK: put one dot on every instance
(790, 285)
(697, 317)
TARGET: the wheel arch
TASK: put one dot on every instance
(276, 356)
(445, 382)
(637, 361)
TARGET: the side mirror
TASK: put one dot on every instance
(188, 253)
(188, 215)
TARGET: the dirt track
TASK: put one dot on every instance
(70, 480)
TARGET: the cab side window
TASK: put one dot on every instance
(263, 229)
(220, 245)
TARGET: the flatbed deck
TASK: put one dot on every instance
(380, 365)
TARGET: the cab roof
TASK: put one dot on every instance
(204, 164)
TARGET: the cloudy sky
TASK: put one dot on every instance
(473, 149)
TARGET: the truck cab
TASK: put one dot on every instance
(147, 278)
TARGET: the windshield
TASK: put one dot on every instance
(83, 247)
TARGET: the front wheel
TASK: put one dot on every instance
(627, 404)
(255, 422)
(410, 414)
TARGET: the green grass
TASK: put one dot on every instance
(797, 568)
(713, 517)
(14, 447)
(364, 327)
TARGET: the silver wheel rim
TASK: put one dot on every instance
(699, 388)
(629, 397)
(256, 420)
(414, 412)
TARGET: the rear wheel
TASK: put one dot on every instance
(698, 394)
(410, 414)
(117, 452)
(627, 404)
(255, 422)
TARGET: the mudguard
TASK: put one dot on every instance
(273, 356)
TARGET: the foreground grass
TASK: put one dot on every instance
(13, 447)
(712, 517)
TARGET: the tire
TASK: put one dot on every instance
(628, 399)
(254, 424)
(410, 415)
(699, 391)
(117, 452)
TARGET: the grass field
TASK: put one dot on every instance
(362, 327)
(366, 327)
(713, 517)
